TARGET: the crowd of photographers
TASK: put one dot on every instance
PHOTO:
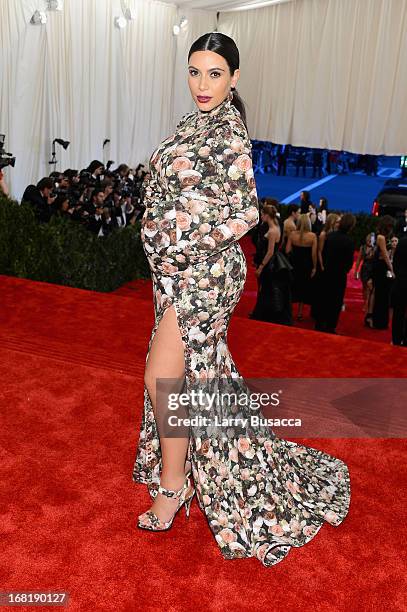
(98, 198)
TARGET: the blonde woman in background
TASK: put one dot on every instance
(302, 245)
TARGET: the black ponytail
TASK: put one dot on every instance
(239, 104)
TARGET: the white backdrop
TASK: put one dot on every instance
(328, 73)
(325, 73)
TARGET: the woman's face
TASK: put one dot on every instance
(394, 242)
(209, 77)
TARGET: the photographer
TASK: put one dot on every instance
(41, 198)
(119, 209)
(96, 201)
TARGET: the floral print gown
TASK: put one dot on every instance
(261, 495)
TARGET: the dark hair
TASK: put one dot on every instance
(272, 202)
(307, 197)
(347, 223)
(94, 165)
(45, 183)
(226, 47)
(324, 204)
(292, 208)
(96, 192)
(61, 198)
(122, 168)
(385, 225)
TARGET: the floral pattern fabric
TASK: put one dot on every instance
(261, 495)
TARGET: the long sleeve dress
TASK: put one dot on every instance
(261, 495)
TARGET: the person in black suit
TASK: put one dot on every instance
(96, 221)
(338, 260)
(399, 294)
(305, 201)
(41, 199)
(282, 155)
(317, 162)
(301, 162)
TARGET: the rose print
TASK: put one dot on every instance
(200, 199)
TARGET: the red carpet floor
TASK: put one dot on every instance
(72, 367)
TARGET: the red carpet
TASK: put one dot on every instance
(72, 365)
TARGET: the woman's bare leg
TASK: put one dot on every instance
(166, 361)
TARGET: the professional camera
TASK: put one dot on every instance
(6, 159)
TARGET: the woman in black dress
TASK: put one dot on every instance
(302, 245)
(331, 225)
(382, 275)
(366, 256)
(274, 296)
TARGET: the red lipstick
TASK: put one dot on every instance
(203, 98)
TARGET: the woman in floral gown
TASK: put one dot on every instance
(261, 495)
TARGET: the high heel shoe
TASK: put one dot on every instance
(150, 521)
(369, 320)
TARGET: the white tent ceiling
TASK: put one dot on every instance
(224, 5)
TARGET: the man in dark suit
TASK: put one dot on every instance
(282, 155)
(40, 198)
(399, 294)
(338, 254)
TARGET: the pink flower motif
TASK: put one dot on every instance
(189, 178)
(331, 516)
(236, 198)
(223, 519)
(237, 226)
(204, 151)
(292, 487)
(203, 376)
(196, 207)
(228, 536)
(181, 149)
(169, 268)
(243, 445)
(183, 220)
(150, 228)
(203, 283)
(233, 454)
(243, 162)
(245, 474)
(277, 530)
(308, 530)
(252, 213)
(181, 163)
(204, 228)
(237, 145)
(268, 445)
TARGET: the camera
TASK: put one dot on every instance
(6, 159)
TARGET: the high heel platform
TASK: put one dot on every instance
(150, 521)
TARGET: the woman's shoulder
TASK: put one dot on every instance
(185, 118)
(229, 127)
